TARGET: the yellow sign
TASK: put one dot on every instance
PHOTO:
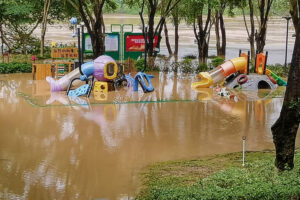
(66, 52)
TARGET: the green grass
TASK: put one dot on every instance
(221, 177)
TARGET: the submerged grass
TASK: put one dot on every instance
(221, 177)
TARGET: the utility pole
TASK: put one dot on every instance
(287, 38)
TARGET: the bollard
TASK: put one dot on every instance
(244, 144)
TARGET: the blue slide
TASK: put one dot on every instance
(140, 79)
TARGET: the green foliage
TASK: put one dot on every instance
(190, 56)
(110, 6)
(139, 65)
(295, 105)
(222, 177)
(279, 69)
(186, 65)
(217, 61)
(15, 67)
(280, 8)
(202, 68)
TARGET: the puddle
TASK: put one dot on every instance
(60, 148)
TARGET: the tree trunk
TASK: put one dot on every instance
(294, 13)
(47, 4)
(217, 30)
(176, 39)
(4, 39)
(151, 31)
(223, 32)
(285, 128)
(252, 27)
(202, 36)
(167, 39)
(260, 36)
(176, 22)
(97, 38)
(94, 23)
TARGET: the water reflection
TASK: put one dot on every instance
(93, 151)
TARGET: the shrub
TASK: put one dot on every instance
(190, 56)
(139, 65)
(279, 69)
(201, 68)
(186, 65)
(217, 61)
(15, 67)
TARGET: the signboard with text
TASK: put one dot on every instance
(65, 52)
(111, 45)
(121, 46)
(136, 43)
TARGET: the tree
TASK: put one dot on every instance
(91, 12)
(153, 5)
(250, 33)
(220, 25)
(259, 36)
(285, 128)
(19, 18)
(53, 10)
(195, 11)
(175, 17)
(47, 4)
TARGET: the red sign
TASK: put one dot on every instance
(137, 42)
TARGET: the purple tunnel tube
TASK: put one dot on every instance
(101, 68)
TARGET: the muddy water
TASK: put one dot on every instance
(53, 148)
(235, 32)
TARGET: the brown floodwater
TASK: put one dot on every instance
(53, 147)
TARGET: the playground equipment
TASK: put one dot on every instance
(100, 90)
(278, 80)
(41, 71)
(104, 68)
(231, 69)
(261, 63)
(140, 79)
(221, 72)
(129, 80)
(62, 68)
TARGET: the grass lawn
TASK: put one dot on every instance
(221, 177)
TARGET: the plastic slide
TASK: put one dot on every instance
(279, 80)
(140, 79)
(221, 72)
(103, 68)
(62, 83)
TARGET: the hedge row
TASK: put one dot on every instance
(15, 67)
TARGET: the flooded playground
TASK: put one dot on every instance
(56, 147)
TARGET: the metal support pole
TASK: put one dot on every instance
(244, 145)
(79, 50)
(267, 54)
(82, 41)
(287, 38)
(248, 63)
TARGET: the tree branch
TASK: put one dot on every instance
(245, 23)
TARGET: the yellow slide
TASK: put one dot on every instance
(221, 72)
